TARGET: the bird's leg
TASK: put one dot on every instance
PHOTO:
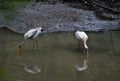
(36, 44)
(33, 45)
(79, 45)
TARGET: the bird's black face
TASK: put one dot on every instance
(42, 30)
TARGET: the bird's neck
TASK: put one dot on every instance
(85, 45)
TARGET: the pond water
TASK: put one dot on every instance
(59, 59)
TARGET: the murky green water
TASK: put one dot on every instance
(57, 57)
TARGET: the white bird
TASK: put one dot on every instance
(82, 36)
(31, 34)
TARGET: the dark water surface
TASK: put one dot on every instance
(57, 57)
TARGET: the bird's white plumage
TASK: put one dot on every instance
(29, 33)
(33, 32)
(81, 35)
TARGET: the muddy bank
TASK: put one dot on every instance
(57, 17)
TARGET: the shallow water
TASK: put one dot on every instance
(57, 56)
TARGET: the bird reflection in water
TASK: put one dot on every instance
(83, 67)
(33, 69)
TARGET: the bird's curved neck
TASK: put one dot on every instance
(85, 45)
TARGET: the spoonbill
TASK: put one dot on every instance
(82, 36)
(30, 34)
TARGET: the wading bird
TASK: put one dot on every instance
(82, 36)
(30, 34)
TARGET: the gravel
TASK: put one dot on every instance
(57, 17)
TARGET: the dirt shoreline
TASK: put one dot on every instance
(58, 17)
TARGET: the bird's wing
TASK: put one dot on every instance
(33, 34)
(30, 33)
